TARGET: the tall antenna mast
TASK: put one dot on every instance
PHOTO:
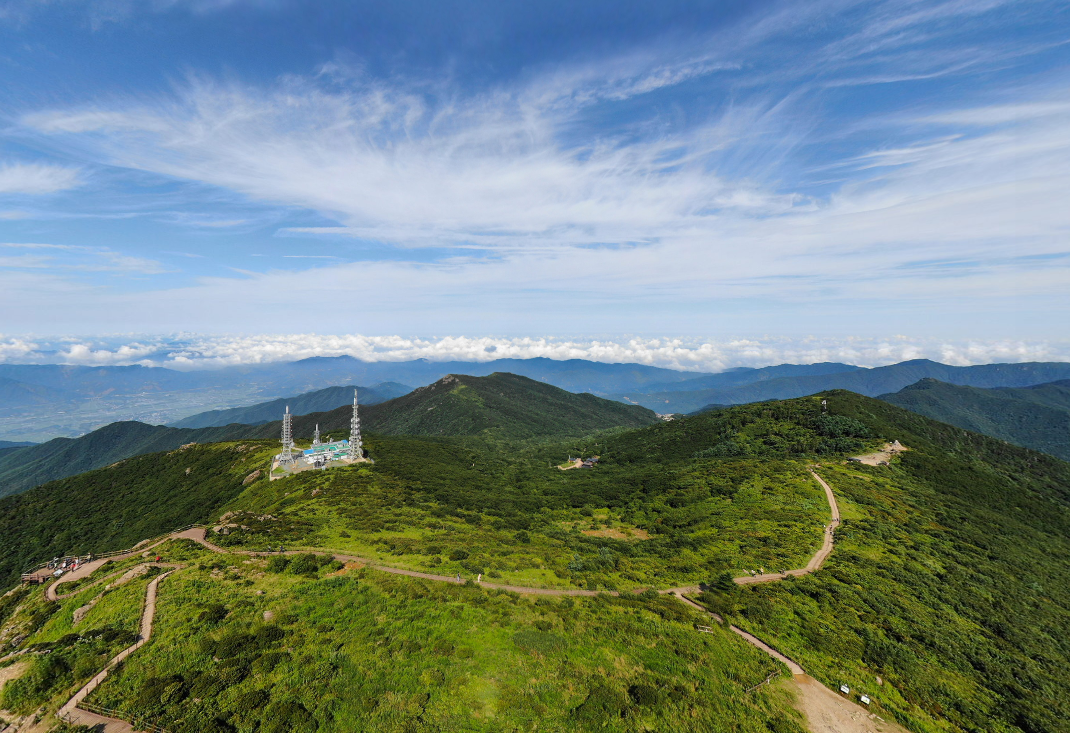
(287, 438)
(356, 446)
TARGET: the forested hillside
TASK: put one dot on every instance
(938, 555)
(23, 468)
(948, 579)
(502, 406)
(1036, 417)
(114, 508)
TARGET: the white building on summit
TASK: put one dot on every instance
(319, 454)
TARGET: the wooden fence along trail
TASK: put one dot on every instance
(74, 710)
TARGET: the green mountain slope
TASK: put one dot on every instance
(948, 580)
(870, 382)
(321, 400)
(1037, 417)
(23, 468)
(937, 558)
(502, 406)
(114, 508)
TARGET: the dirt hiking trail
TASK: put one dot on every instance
(825, 710)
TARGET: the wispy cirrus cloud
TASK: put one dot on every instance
(37, 178)
(77, 258)
(595, 186)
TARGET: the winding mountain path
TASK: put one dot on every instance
(72, 713)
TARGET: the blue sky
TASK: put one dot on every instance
(696, 169)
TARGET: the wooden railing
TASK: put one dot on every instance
(32, 572)
(110, 713)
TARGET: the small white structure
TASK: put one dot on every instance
(864, 699)
(845, 689)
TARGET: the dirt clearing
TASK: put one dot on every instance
(828, 712)
(882, 457)
(618, 534)
(13, 672)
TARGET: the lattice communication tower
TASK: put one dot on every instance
(356, 446)
(287, 438)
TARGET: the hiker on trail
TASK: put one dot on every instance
(158, 558)
(480, 578)
(458, 577)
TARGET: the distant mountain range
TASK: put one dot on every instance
(1036, 417)
(41, 401)
(870, 382)
(506, 406)
(6, 444)
(320, 400)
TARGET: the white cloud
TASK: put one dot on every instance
(594, 221)
(36, 178)
(201, 352)
(78, 259)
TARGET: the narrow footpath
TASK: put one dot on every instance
(71, 713)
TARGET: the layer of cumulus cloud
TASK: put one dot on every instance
(189, 351)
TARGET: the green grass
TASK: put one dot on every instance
(706, 517)
(369, 651)
(948, 581)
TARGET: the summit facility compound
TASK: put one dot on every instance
(319, 455)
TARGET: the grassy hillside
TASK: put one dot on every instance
(114, 508)
(948, 581)
(938, 556)
(321, 400)
(1037, 417)
(248, 646)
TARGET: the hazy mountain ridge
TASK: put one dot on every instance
(6, 444)
(1036, 417)
(869, 382)
(91, 397)
(746, 375)
(505, 405)
(23, 468)
(321, 400)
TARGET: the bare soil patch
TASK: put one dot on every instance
(883, 456)
(13, 672)
(618, 533)
(829, 712)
